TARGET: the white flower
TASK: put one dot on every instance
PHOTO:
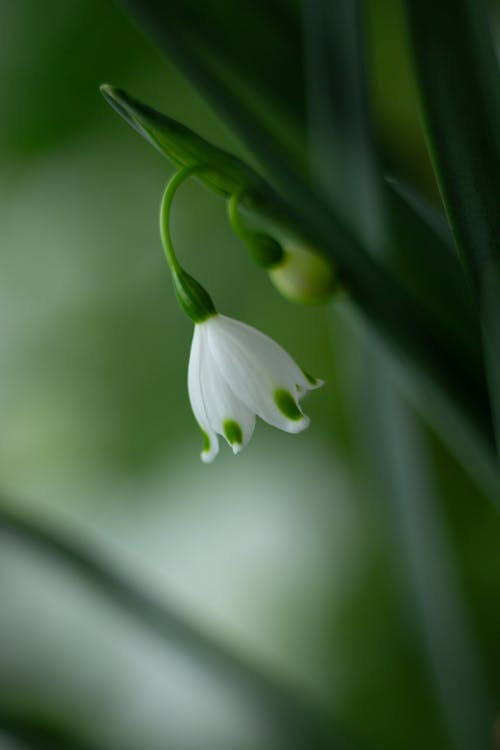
(237, 373)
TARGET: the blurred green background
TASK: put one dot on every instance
(372, 592)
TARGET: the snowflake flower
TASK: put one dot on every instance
(237, 373)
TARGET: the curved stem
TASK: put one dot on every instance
(192, 297)
(235, 218)
(265, 250)
(174, 184)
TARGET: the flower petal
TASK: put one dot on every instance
(263, 349)
(311, 382)
(211, 443)
(227, 414)
(258, 369)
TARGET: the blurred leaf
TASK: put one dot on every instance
(428, 569)
(426, 268)
(297, 723)
(460, 91)
(433, 220)
(244, 50)
(340, 130)
(34, 729)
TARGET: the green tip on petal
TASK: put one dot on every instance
(233, 433)
(311, 379)
(287, 405)
(206, 442)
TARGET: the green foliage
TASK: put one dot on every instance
(462, 115)
(389, 249)
(222, 172)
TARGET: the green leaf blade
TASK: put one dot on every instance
(224, 173)
(460, 91)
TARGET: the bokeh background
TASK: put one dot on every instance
(372, 591)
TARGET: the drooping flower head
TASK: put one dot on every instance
(237, 373)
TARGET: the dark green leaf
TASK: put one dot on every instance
(340, 130)
(425, 557)
(35, 728)
(428, 269)
(460, 92)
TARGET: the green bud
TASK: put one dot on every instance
(304, 276)
(266, 251)
(194, 300)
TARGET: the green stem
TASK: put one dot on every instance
(192, 297)
(235, 217)
(166, 238)
(266, 251)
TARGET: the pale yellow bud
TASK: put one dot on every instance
(304, 275)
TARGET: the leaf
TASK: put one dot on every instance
(33, 728)
(344, 154)
(225, 173)
(421, 208)
(298, 723)
(423, 552)
(460, 91)
(416, 223)
(244, 51)
(339, 122)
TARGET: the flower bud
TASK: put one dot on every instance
(192, 297)
(304, 275)
(266, 251)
